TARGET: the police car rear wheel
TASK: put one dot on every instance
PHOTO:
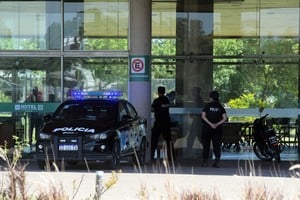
(115, 161)
(45, 165)
(41, 164)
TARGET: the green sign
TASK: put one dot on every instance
(139, 68)
(28, 107)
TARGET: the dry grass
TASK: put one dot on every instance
(173, 194)
(259, 191)
(16, 183)
(199, 195)
(143, 193)
(254, 190)
(53, 192)
(16, 187)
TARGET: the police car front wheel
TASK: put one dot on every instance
(115, 161)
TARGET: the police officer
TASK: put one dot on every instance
(36, 120)
(213, 116)
(162, 124)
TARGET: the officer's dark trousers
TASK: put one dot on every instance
(214, 135)
(164, 130)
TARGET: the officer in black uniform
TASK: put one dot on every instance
(213, 116)
(162, 124)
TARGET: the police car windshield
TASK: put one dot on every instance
(91, 112)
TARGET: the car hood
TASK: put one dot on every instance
(60, 127)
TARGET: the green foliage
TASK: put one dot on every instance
(247, 101)
(163, 68)
(4, 98)
(163, 47)
(274, 79)
(106, 44)
(23, 44)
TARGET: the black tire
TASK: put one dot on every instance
(261, 155)
(277, 154)
(72, 163)
(47, 165)
(141, 153)
(115, 161)
(41, 164)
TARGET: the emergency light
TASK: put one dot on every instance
(113, 94)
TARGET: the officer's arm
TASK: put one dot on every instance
(224, 119)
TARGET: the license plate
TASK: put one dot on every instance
(68, 147)
(273, 139)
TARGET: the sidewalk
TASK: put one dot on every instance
(131, 186)
(229, 182)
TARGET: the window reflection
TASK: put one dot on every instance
(256, 18)
(20, 76)
(29, 87)
(36, 25)
(94, 74)
(30, 25)
(96, 25)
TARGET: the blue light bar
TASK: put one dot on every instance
(105, 93)
(77, 94)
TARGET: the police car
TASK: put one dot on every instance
(92, 129)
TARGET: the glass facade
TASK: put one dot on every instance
(53, 47)
(247, 50)
(235, 47)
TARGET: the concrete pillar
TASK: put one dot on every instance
(139, 90)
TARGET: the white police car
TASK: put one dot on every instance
(92, 129)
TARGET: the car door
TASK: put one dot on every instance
(124, 130)
(137, 127)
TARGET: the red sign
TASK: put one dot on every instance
(137, 65)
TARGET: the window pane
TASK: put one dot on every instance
(282, 20)
(272, 83)
(94, 74)
(163, 19)
(29, 25)
(20, 75)
(96, 25)
(256, 18)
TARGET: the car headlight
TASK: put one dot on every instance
(44, 136)
(99, 136)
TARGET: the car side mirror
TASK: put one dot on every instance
(47, 117)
